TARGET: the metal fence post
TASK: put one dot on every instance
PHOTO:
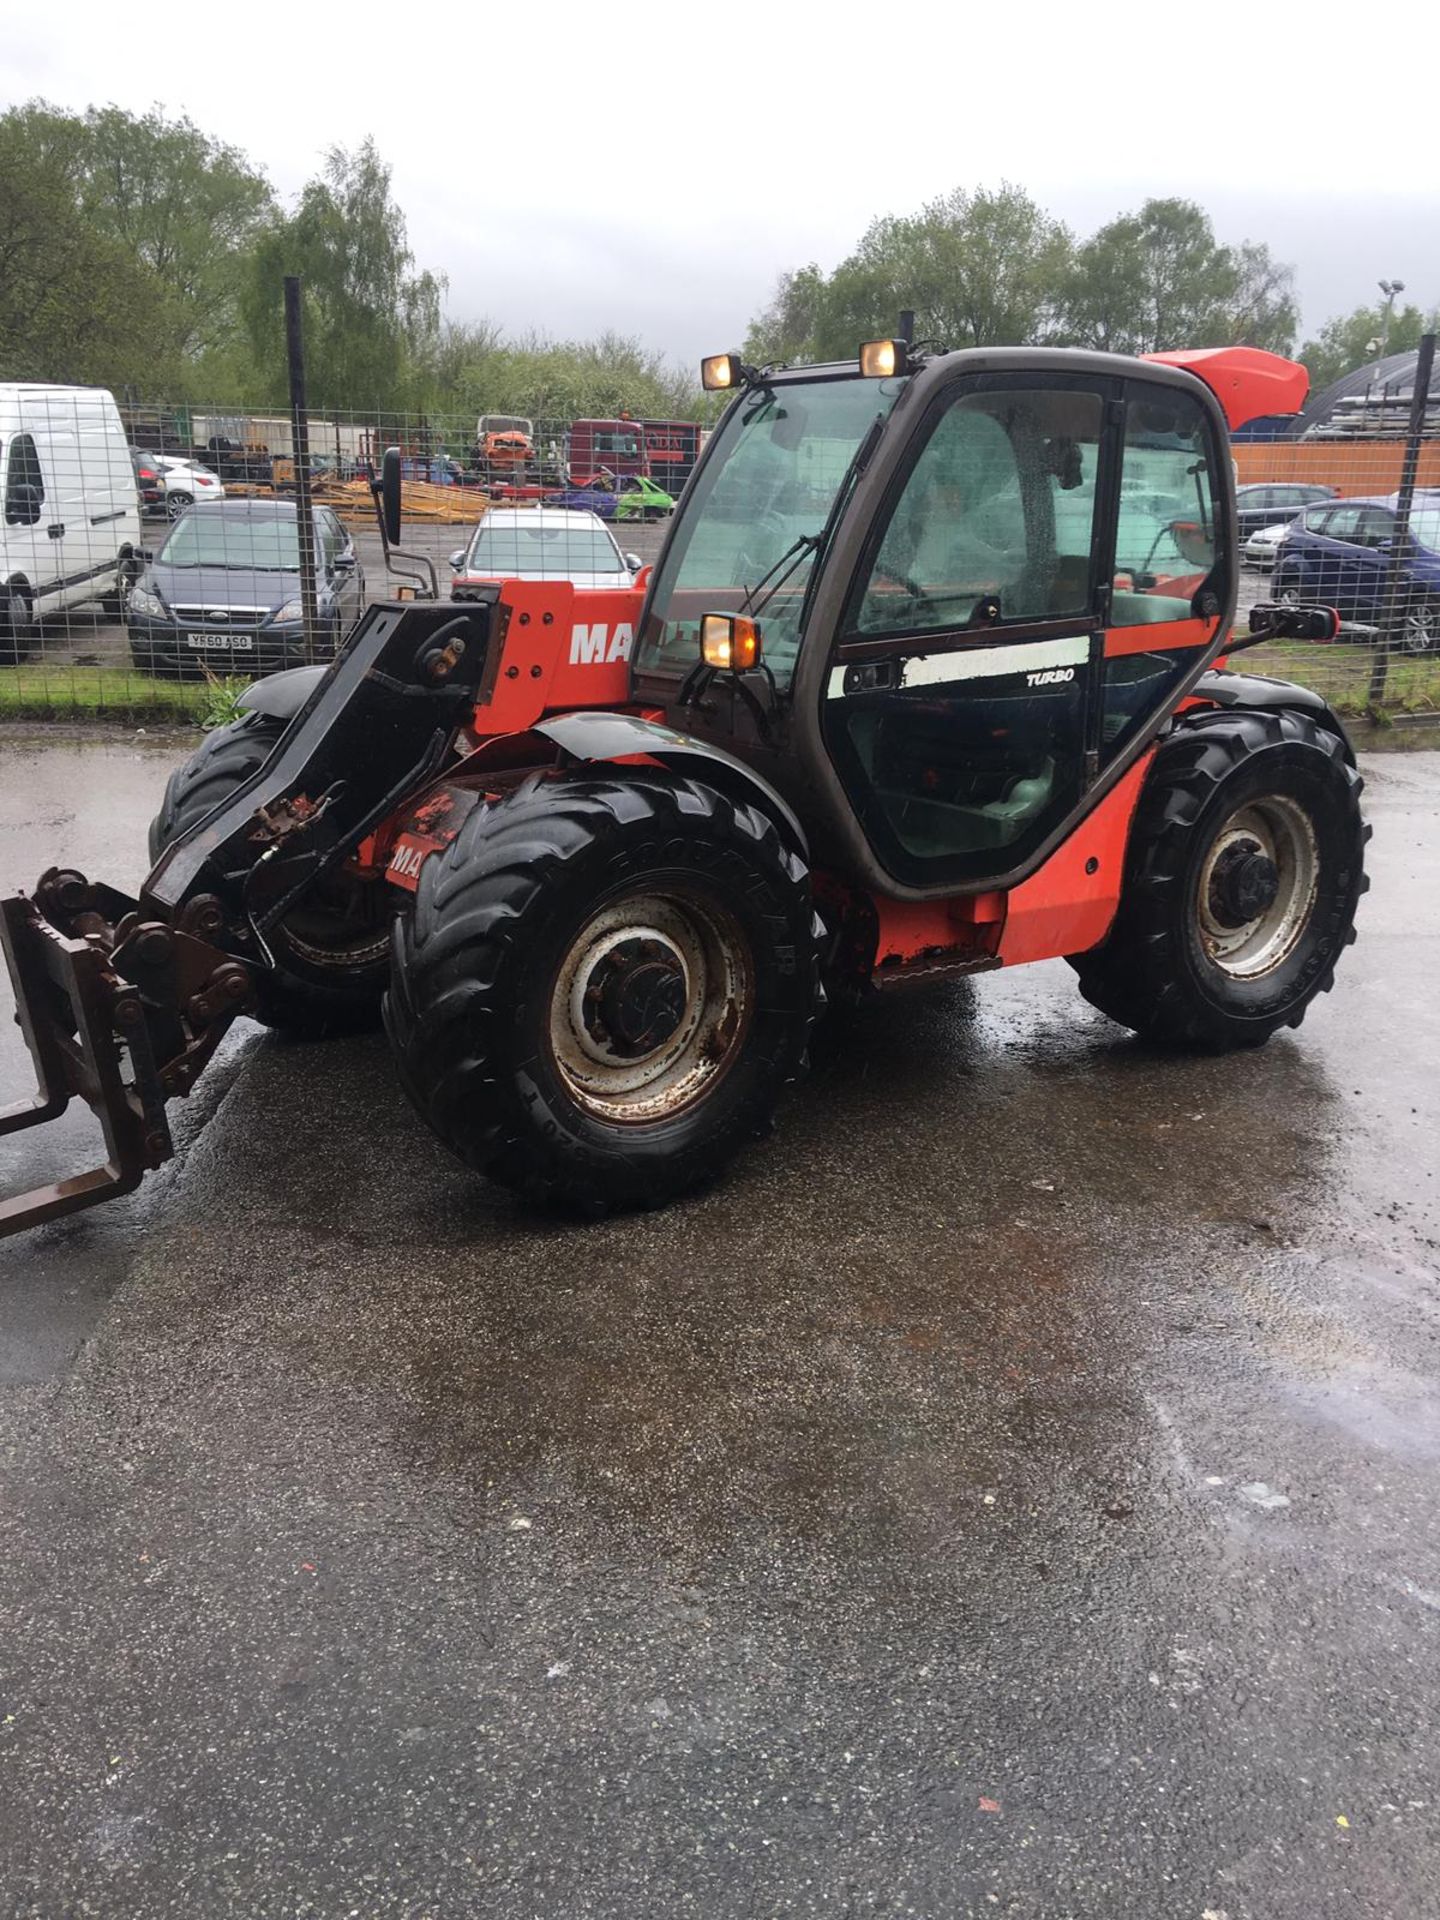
(300, 445)
(1392, 614)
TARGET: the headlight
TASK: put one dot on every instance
(150, 604)
(292, 610)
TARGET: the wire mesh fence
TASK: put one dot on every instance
(149, 553)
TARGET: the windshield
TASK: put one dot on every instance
(209, 537)
(545, 553)
(1425, 526)
(769, 480)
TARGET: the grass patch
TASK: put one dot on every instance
(38, 692)
(1340, 672)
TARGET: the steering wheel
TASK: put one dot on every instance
(769, 530)
(911, 587)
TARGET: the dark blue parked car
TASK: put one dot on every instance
(1339, 553)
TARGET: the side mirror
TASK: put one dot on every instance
(632, 561)
(729, 642)
(343, 563)
(22, 506)
(1280, 620)
(457, 559)
(390, 494)
(1193, 542)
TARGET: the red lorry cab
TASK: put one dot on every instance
(673, 447)
(606, 446)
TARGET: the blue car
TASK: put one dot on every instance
(1339, 553)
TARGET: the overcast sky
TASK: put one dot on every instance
(654, 166)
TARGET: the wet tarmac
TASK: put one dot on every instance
(1012, 1491)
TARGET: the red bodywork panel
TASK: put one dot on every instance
(561, 649)
(1247, 382)
(1067, 906)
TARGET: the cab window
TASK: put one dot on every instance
(998, 507)
(1165, 538)
(24, 483)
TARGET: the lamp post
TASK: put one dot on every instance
(1389, 288)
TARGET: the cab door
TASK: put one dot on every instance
(1041, 579)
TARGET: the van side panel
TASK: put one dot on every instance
(90, 511)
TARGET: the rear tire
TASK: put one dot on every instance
(332, 951)
(17, 625)
(176, 503)
(1234, 808)
(604, 986)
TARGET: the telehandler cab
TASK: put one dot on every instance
(926, 681)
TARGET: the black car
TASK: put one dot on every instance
(148, 481)
(1267, 503)
(224, 591)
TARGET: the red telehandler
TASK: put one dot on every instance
(927, 680)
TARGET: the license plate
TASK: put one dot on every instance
(228, 642)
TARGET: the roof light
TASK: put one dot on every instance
(721, 372)
(883, 359)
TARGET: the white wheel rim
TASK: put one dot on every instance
(1278, 830)
(661, 963)
(1422, 629)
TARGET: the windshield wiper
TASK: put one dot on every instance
(795, 553)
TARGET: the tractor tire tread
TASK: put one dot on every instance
(285, 1000)
(1137, 977)
(458, 958)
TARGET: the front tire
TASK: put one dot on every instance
(604, 986)
(332, 950)
(1420, 625)
(1245, 865)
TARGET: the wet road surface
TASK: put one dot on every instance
(1012, 1492)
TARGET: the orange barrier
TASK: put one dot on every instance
(1350, 466)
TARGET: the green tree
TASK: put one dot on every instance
(1158, 279)
(575, 379)
(168, 198)
(76, 304)
(369, 319)
(978, 269)
(785, 332)
(1348, 340)
(189, 206)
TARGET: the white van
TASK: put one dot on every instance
(70, 524)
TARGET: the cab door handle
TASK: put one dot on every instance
(55, 532)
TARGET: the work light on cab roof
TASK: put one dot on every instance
(879, 360)
(722, 372)
(884, 359)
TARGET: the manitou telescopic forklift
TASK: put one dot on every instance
(925, 682)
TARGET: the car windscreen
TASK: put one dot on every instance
(1425, 526)
(554, 551)
(209, 537)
